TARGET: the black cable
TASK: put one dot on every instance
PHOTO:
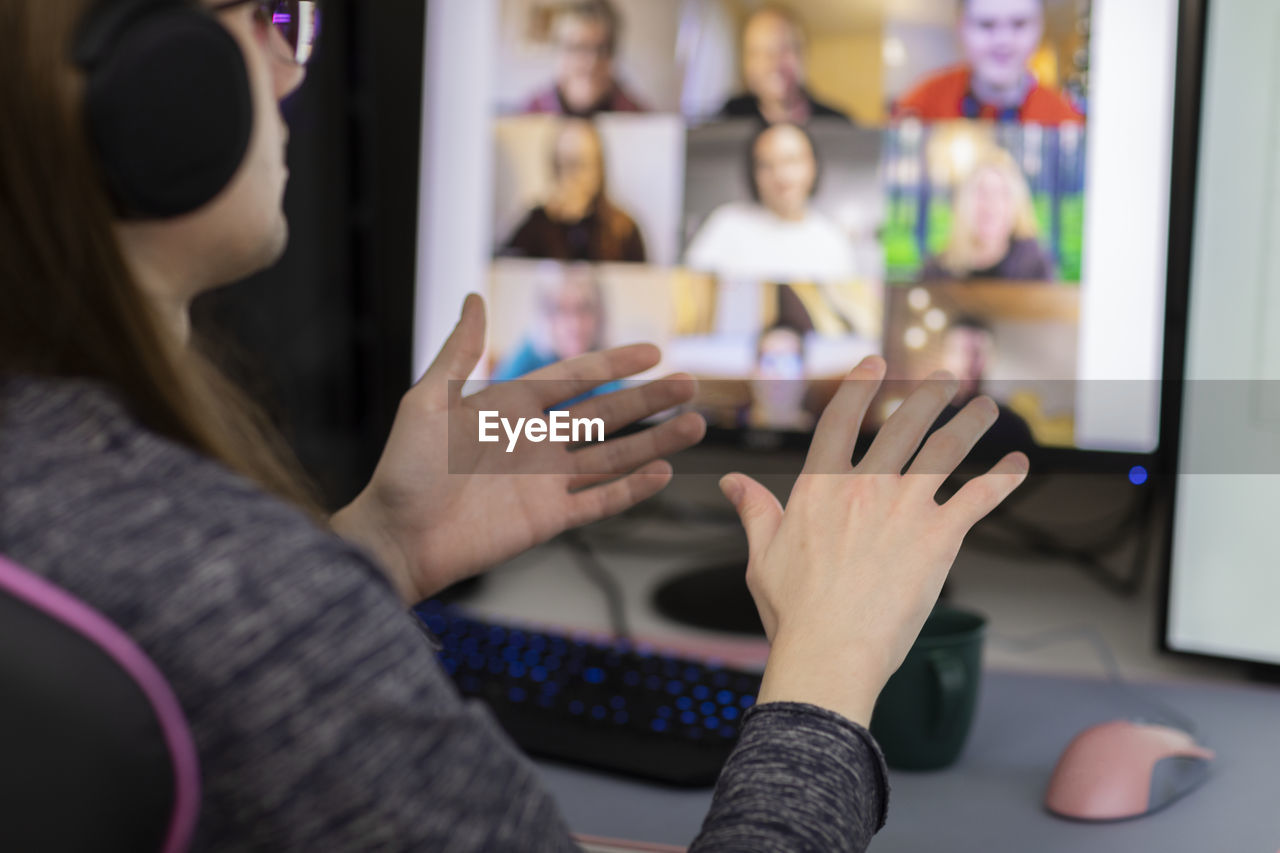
(1034, 485)
(1106, 541)
(1030, 538)
(590, 565)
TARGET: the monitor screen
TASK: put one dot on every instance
(771, 192)
(1222, 583)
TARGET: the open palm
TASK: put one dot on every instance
(442, 505)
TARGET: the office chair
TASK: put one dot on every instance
(95, 752)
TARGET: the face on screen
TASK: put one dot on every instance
(578, 165)
(986, 202)
(781, 355)
(778, 388)
(785, 171)
(772, 64)
(999, 37)
(573, 313)
(965, 352)
(586, 63)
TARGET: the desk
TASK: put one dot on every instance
(990, 801)
(1030, 706)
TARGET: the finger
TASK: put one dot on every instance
(616, 457)
(460, 354)
(633, 404)
(831, 451)
(600, 502)
(948, 446)
(574, 377)
(758, 509)
(982, 494)
(906, 427)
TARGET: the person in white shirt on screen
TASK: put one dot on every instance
(778, 235)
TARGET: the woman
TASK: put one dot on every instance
(777, 235)
(578, 222)
(994, 234)
(131, 475)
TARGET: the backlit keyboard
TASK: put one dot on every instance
(612, 705)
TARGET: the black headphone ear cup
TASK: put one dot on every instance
(170, 111)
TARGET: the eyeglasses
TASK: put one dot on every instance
(297, 22)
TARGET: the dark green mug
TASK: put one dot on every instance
(924, 713)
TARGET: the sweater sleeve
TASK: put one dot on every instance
(801, 779)
(326, 723)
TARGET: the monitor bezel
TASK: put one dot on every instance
(1188, 125)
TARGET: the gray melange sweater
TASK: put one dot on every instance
(322, 719)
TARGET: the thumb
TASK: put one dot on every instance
(758, 509)
(460, 353)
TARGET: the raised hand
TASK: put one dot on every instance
(442, 506)
(845, 577)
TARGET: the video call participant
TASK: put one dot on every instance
(773, 69)
(569, 322)
(133, 477)
(968, 347)
(578, 222)
(778, 383)
(994, 232)
(586, 40)
(998, 39)
(778, 235)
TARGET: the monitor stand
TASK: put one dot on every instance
(714, 598)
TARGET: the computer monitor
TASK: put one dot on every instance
(1023, 243)
(1221, 585)
(772, 191)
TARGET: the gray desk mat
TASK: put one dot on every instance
(990, 801)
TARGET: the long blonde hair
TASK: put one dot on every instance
(71, 307)
(958, 257)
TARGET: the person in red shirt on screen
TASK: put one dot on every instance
(998, 38)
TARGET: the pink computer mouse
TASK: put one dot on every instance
(1121, 769)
